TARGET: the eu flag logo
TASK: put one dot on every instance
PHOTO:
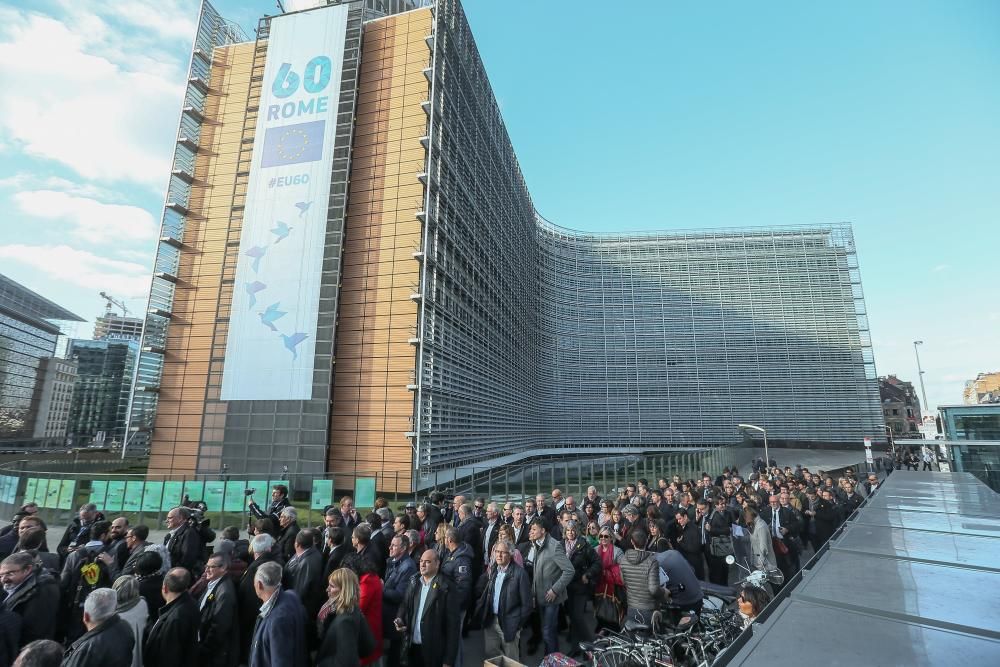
(293, 144)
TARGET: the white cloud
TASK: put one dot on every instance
(27, 181)
(940, 267)
(82, 268)
(91, 220)
(102, 102)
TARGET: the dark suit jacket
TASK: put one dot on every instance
(335, 559)
(219, 632)
(304, 575)
(249, 604)
(439, 626)
(186, 550)
(493, 536)
(173, 639)
(279, 639)
(521, 538)
(515, 601)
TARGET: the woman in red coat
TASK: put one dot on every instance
(370, 602)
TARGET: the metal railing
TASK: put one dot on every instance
(145, 499)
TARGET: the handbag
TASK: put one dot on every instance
(609, 610)
(780, 549)
(721, 546)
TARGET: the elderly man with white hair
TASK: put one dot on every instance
(109, 641)
(279, 637)
(289, 522)
(262, 550)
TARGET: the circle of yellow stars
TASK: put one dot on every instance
(296, 148)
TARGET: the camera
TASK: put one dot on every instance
(249, 492)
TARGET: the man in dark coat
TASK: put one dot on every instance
(261, 548)
(184, 544)
(279, 501)
(219, 644)
(398, 572)
(279, 638)
(304, 575)
(288, 520)
(78, 531)
(686, 539)
(503, 613)
(109, 641)
(173, 639)
(429, 614)
(34, 596)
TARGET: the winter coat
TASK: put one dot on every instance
(35, 602)
(457, 566)
(173, 639)
(642, 578)
(346, 640)
(110, 644)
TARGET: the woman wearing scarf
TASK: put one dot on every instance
(610, 585)
(345, 637)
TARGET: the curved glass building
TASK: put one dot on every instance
(442, 322)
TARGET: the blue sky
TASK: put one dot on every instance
(643, 115)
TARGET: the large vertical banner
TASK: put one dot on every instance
(271, 344)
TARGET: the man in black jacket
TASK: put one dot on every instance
(304, 575)
(31, 593)
(109, 641)
(261, 548)
(686, 539)
(219, 645)
(78, 531)
(398, 572)
(784, 524)
(504, 611)
(429, 614)
(183, 542)
(279, 501)
(173, 639)
(83, 573)
(135, 540)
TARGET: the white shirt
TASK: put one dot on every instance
(425, 589)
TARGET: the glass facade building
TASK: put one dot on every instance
(99, 408)
(28, 333)
(456, 326)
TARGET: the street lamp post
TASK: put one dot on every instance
(767, 459)
(920, 374)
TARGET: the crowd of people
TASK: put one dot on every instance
(398, 588)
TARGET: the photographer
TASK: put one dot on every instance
(279, 501)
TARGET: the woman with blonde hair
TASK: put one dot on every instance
(345, 637)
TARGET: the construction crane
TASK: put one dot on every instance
(111, 301)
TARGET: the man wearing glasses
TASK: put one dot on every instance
(32, 594)
(219, 643)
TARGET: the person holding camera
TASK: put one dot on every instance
(279, 501)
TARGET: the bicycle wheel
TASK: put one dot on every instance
(617, 657)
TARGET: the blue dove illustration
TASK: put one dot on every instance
(303, 206)
(268, 317)
(281, 230)
(257, 252)
(252, 289)
(292, 341)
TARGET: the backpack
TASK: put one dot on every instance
(93, 573)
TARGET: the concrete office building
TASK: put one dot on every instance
(352, 278)
(29, 329)
(55, 397)
(117, 327)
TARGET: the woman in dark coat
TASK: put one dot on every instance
(345, 637)
(581, 589)
(719, 525)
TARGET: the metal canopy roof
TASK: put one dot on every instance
(911, 580)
